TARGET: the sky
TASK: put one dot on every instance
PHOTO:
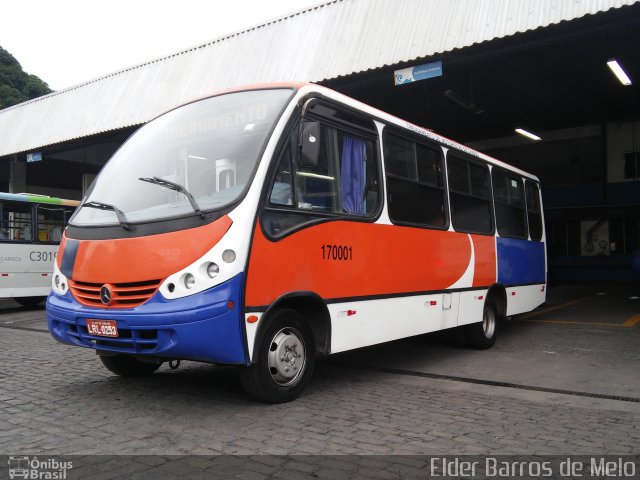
(67, 42)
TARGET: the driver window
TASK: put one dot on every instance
(282, 193)
(345, 180)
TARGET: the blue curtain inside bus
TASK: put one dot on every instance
(352, 175)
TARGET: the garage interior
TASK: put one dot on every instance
(552, 81)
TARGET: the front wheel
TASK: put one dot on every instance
(285, 360)
(483, 335)
(128, 366)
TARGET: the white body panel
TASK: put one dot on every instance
(26, 269)
(471, 306)
(525, 298)
(378, 321)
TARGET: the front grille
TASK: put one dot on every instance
(123, 295)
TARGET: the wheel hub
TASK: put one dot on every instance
(489, 323)
(286, 357)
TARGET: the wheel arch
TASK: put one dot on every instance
(313, 310)
(498, 294)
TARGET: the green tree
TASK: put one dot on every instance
(17, 86)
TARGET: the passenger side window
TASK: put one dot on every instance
(51, 223)
(534, 210)
(508, 194)
(15, 222)
(415, 183)
(344, 181)
(470, 196)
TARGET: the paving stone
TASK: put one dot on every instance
(59, 399)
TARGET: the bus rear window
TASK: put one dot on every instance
(534, 212)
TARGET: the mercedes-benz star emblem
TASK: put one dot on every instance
(105, 295)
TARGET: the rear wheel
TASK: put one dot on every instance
(285, 360)
(483, 335)
(128, 366)
(30, 301)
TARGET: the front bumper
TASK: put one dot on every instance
(199, 327)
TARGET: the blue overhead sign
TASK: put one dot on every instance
(34, 157)
(419, 72)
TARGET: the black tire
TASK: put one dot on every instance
(288, 344)
(482, 335)
(128, 366)
(30, 301)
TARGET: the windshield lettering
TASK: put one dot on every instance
(199, 126)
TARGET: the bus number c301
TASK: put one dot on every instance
(42, 256)
(337, 252)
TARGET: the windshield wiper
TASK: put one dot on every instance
(122, 219)
(177, 188)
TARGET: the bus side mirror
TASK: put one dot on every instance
(310, 144)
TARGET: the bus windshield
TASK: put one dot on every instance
(209, 149)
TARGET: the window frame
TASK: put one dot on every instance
(426, 143)
(458, 155)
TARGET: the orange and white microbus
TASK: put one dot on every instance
(264, 226)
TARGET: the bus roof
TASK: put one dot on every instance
(305, 89)
(35, 198)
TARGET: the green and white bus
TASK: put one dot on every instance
(30, 230)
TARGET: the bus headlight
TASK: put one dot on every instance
(213, 270)
(59, 283)
(229, 256)
(189, 281)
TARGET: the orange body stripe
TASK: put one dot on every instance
(485, 267)
(143, 258)
(383, 259)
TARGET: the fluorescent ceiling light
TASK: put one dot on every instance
(528, 134)
(315, 175)
(619, 72)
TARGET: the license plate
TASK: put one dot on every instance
(102, 328)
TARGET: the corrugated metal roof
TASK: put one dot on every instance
(331, 40)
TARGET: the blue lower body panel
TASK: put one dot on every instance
(520, 262)
(199, 327)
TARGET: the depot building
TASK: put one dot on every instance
(549, 86)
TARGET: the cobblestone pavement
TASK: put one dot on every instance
(60, 400)
(373, 413)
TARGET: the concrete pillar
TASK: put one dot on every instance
(87, 180)
(17, 177)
